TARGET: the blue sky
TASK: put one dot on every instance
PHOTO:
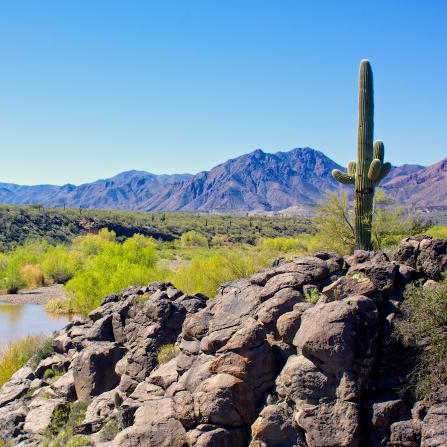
(90, 88)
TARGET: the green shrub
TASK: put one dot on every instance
(79, 441)
(60, 264)
(44, 350)
(166, 353)
(438, 231)
(335, 227)
(312, 295)
(15, 355)
(58, 306)
(286, 244)
(423, 327)
(59, 419)
(117, 266)
(193, 239)
(93, 244)
(48, 373)
(13, 279)
(111, 429)
(206, 275)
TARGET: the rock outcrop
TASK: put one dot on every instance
(256, 366)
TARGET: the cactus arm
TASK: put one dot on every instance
(386, 168)
(342, 177)
(379, 150)
(352, 167)
(375, 170)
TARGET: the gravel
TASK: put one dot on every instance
(35, 296)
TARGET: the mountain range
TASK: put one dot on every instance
(257, 181)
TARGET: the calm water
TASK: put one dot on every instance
(18, 320)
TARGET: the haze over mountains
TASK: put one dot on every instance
(257, 181)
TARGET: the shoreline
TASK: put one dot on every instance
(40, 295)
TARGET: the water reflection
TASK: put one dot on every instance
(18, 320)
(12, 311)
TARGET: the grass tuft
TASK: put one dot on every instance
(16, 354)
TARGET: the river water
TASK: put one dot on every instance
(18, 320)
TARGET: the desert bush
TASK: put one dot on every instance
(335, 227)
(438, 231)
(424, 327)
(166, 353)
(12, 278)
(60, 263)
(33, 275)
(193, 239)
(94, 244)
(44, 350)
(206, 275)
(117, 266)
(15, 355)
(286, 244)
(58, 306)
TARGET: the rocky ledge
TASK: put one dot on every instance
(256, 366)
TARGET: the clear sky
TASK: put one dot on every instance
(90, 88)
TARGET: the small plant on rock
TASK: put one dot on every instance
(312, 295)
(44, 351)
(166, 353)
(424, 327)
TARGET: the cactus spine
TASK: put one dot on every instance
(370, 168)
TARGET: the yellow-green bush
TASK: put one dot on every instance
(286, 244)
(115, 267)
(166, 353)
(60, 263)
(12, 278)
(423, 328)
(15, 354)
(438, 231)
(205, 275)
(93, 244)
(33, 275)
(193, 239)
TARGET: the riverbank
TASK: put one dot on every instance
(40, 295)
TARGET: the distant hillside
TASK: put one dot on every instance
(425, 187)
(124, 191)
(255, 182)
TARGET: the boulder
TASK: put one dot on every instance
(289, 323)
(207, 435)
(12, 391)
(40, 415)
(338, 333)
(56, 362)
(276, 427)
(94, 369)
(156, 425)
(64, 386)
(406, 434)
(12, 418)
(434, 426)
(331, 424)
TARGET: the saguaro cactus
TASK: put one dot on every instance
(370, 169)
